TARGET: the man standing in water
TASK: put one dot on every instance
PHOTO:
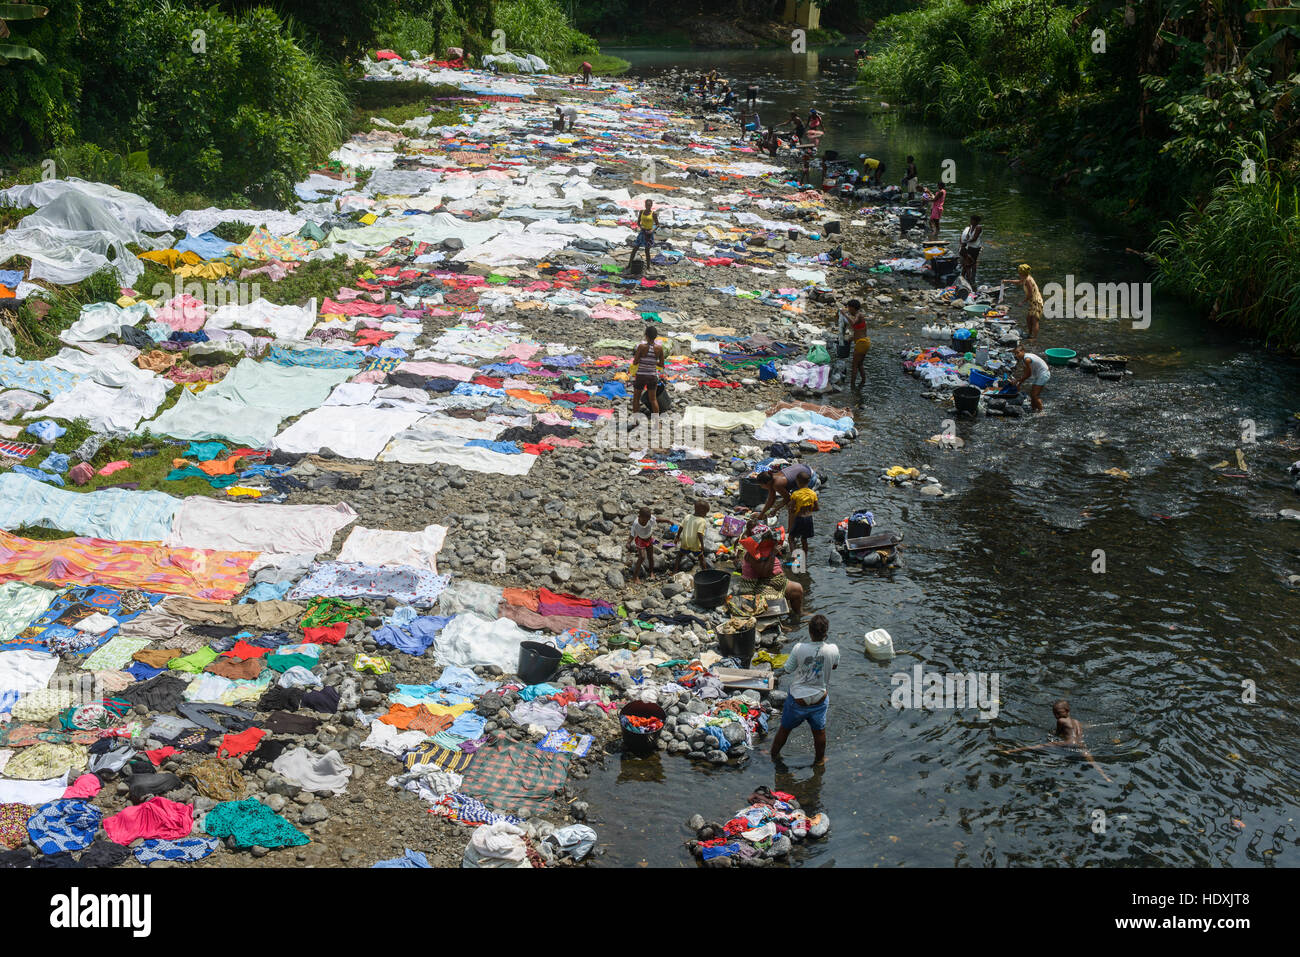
(1070, 732)
(1036, 372)
(910, 177)
(808, 695)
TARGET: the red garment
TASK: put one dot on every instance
(243, 650)
(550, 603)
(236, 745)
(160, 755)
(86, 786)
(156, 817)
(488, 381)
(326, 634)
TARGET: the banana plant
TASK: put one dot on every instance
(18, 11)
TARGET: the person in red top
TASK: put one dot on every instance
(586, 72)
(760, 568)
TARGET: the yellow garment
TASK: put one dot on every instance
(369, 218)
(776, 661)
(204, 271)
(692, 530)
(240, 491)
(898, 470)
(171, 258)
(862, 346)
(646, 220)
(803, 500)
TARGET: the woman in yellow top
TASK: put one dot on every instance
(1033, 298)
(646, 221)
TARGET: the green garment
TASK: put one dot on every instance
(252, 824)
(194, 663)
(328, 611)
(283, 663)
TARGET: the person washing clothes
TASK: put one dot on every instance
(566, 114)
(647, 221)
(784, 482)
(972, 237)
(1036, 373)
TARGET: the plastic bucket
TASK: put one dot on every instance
(739, 645)
(711, 587)
(537, 662)
(639, 743)
(752, 494)
(981, 380)
(966, 398)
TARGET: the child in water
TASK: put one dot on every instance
(1070, 732)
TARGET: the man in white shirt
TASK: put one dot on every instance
(971, 240)
(808, 694)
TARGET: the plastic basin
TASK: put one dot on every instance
(1059, 357)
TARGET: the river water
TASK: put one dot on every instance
(998, 578)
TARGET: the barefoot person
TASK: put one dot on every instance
(586, 73)
(1036, 373)
(808, 694)
(784, 482)
(1033, 298)
(972, 237)
(647, 359)
(761, 571)
(1070, 732)
(642, 539)
(853, 327)
(647, 221)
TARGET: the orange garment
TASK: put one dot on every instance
(6, 292)
(525, 597)
(823, 445)
(528, 395)
(417, 718)
(227, 466)
(236, 670)
(244, 650)
(235, 745)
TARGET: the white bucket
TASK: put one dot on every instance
(879, 645)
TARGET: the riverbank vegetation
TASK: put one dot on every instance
(1176, 117)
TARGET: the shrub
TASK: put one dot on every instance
(38, 102)
(248, 111)
(541, 28)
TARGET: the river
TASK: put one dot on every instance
(1157, 653)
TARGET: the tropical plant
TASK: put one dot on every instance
(17, 51)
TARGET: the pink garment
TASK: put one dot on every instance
(112, 467)
(520, 350)
(156, 817)
(438, 370)
(616, 313)
(86, 786)
(184, 313)
(276, 269)
(356, 308)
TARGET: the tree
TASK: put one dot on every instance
(15, 51)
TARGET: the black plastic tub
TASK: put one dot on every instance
(711, 587)
(537, 662)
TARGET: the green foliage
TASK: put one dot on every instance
(19, 51)
(38, 99)
(1238, 255)
(540, 27)
(246, 111)
(403, 33)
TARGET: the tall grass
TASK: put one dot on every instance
(1238, 254)
(540, 27)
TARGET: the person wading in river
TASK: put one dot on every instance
(1033, 298)
(1069, 730)
(853, 326)
(784, 482)
(971, 240)
(1037, 373)
(910, 177)
(936, 200)
(808, 695)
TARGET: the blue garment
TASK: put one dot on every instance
(188, 338)
(47, 430)
(64, 826)
(564, 362)
(611, 390)
(186, 849)
(505, 448)
(317, 358)
(537, 691)
(266, 591)
(413, 638)
(468, 725)
(38, 475)
(463, 681)
(206, 245)
(716, 734)
(142, 672)
(11, 277)
(794, 714)
(504, 368)
(720, 850)
(469, 388)
(409, 858)
(204, 451)
(55, 462)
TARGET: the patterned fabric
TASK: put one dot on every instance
(116, 654)
(516, 776)
(445, 758)
(186, 849)
(43, 704)
(215, 779)
(327, 611)
(262, 245)
(197, 572)
(562, 742)
(375, 664)
(16, 450)
(410, 586)
(467, 810)
(64, 826)
(43, 761)
(13, 824)
(54, 628)
(19, 604)
(36, 376)
(317, 358)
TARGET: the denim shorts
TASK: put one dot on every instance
(1040, 379)
(794, 714)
